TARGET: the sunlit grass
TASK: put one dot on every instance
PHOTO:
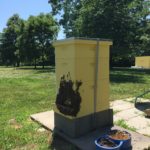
(127, 83)
(22, 93)
(123, 124)
(26, 91)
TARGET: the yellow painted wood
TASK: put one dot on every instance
(79, 58)
(103, 95)
(142, 61)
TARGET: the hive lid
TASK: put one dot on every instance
(82, 40)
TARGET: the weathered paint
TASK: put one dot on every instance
(79, 57)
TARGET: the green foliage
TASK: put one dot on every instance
(69, 13)
(115, 111)
(40, 31)
(145, 38)
(28, 41)
(10, 51)
(123, 21)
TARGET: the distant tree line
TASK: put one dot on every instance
(126, 22)
(28, 42)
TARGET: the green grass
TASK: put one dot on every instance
(127, 83)
(26, 91)
(115, 111)
(123, 124)
(22, 93)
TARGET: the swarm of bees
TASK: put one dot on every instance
(68, 98)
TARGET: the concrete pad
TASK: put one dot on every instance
(145, 131)
(46, 119)
(120, 106)
(116, 118)
(86, 142)
(128, 114)
(139, 122)
(117, 102)
(130, 99)
(143, 100)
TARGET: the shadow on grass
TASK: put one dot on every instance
(38, 70)
(123, 75)
(45, 70)
(59, 143)
(120, 78)
(132, 70)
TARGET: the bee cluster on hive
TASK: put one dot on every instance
(68, 99)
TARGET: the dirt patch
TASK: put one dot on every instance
(27, 147)
(14, 124)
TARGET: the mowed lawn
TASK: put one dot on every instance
(125, 83)
(26, 91)
(22, 93)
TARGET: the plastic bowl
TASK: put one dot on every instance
(101, 147)
(126, 144)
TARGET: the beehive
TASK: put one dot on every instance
(142, 61)
(79, 58)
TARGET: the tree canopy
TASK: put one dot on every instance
(9, 48)
(123, 21)
(28, 41)
(40, 31)
(126, 22)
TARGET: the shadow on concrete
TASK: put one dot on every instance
(85, 142)
(142, 106)
(58, 143)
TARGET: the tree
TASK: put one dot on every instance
(122, 21)
(10, 52)
(0, 47)
(69, 13)
(40, 31)
(145, 38)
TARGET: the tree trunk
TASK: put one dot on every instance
(35, 63)
(43, 64)
(14, 64)
(43, 60)
(18, 63)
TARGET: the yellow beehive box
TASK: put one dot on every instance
(142, 61)
(78, 57)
